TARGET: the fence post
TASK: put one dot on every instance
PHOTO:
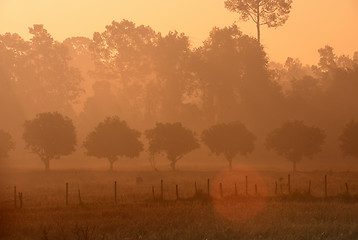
(196, 189)
(275, 187)
(309, 187)
(15, 197)
(221, 190)
(255, 189)
(289, 184)
(66, 194)
(79, 197)
(235, 189)
(20, 199)
(209, 186)
(115, 191)
(177, 191)
(153, 193)
(247, 192)
(347, 190)
(325, 185)
(161, 190)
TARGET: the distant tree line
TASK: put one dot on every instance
(147, 77)
(51, 135)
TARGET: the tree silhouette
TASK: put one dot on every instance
(172, 139)
(171, 67)
(93, 110)
(6, 144)
(294, 140)
(273, 13)
(122, 55)
(44, 76)
(349, 139)
(12, 48)
(50, 135)
(111, 139)
(327, 60)
(229, 139)
(231, 69)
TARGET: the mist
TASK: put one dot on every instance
(135, 124)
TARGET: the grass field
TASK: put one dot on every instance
(264, 215)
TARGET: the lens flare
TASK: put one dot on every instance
(239, 193)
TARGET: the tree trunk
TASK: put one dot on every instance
(111, 162)
(47, 164)
(258, 24)
(258, 33)
(172, 164)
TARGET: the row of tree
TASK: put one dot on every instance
(51, 135)
(147, 77)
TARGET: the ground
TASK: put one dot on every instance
(265, 215)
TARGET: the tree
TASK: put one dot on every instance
(93, 110)
(171, 67)
(111, 139)
(45, 78)
(229, 139)
(294, 140)
(273, 13)
(122, 55)
(50, 135)
(6, 144)
(231, 69)
(349, 139)
(172, 139)
(12, 48)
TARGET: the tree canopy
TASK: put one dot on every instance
(50, 135)
(111, 139)
(229, 139)
(349, 139)
(295, 140)
(146, 76)
(272, 13)
(6, 144)
(173, 139)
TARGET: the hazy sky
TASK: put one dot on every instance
(312, 23)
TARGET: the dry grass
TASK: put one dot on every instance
(136, 216)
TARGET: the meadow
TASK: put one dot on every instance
(265, 212)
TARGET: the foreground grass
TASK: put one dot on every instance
(283, 216)
(183, 220)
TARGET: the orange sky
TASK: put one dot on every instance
(312, 24)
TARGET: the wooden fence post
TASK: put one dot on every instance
(153, 193)
(309, 187)
(255, 189)
(79, 197)
(289, 184)
(115, 191)
(15, 196)
(209, 186)
(177, 191)
(20, 199)
(196, 189)
(66, 194)
(221, 190)
(347, 190)
(275, 187)
(247, 192)
(161, 190)
(325, 185)
(235, 189)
